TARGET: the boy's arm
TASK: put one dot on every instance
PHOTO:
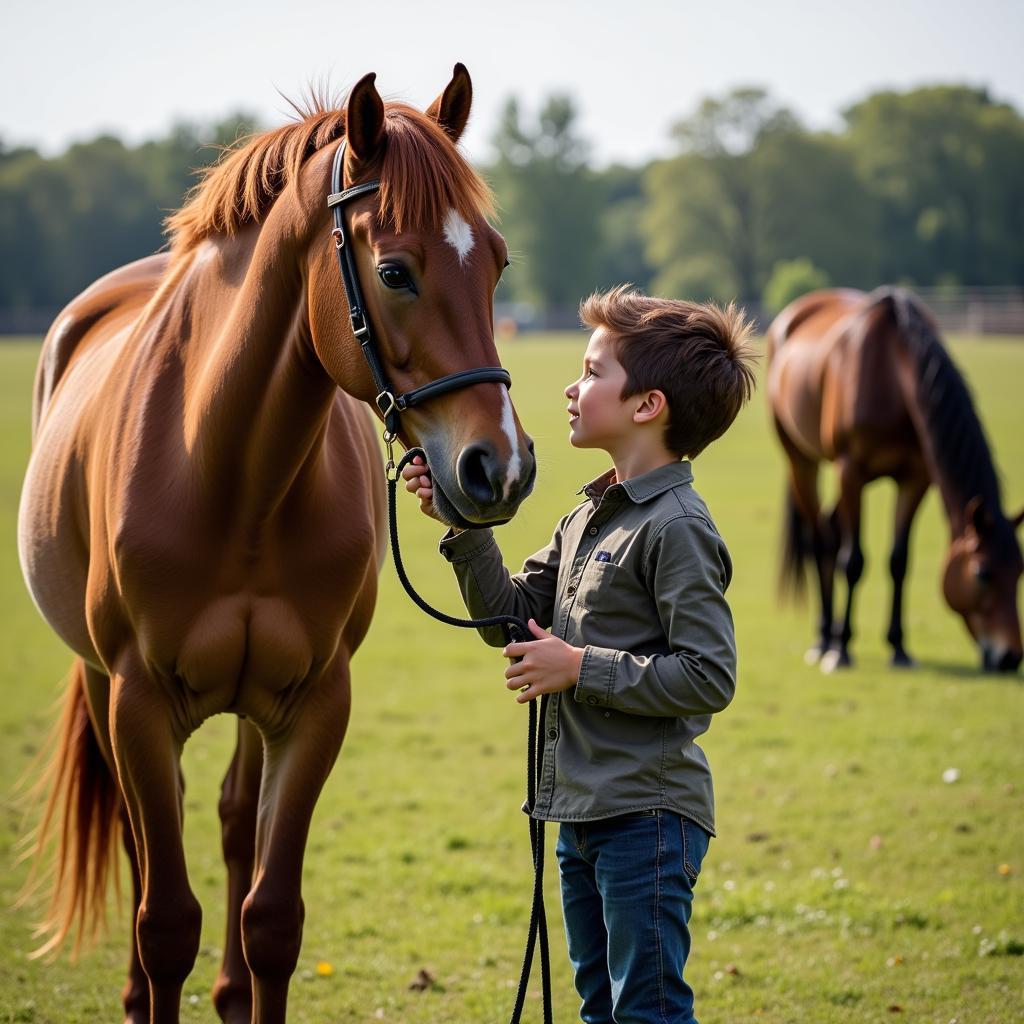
(489, 589)
(688, 570)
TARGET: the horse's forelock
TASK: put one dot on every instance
(423, 176)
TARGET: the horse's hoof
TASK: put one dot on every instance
(832, 660)
(900, 659)
(812, 656)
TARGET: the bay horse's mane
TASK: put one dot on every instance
(958, 439)
(422, 174)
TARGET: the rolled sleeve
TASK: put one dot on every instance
(688, 571)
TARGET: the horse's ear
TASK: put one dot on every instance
(451, 109)
(364, 118)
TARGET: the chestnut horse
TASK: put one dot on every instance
(202, 520)
(865, 382)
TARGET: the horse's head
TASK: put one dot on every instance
(983, 569)
(427, 263)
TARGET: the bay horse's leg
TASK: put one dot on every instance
(135, 994)
(239, 800)
(850, 560)
(148, 732)
(908, 499)
(298, 758)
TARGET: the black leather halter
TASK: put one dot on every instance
(389, 404)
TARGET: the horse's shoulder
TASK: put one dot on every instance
(89, 317)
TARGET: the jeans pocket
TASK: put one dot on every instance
(695, 846)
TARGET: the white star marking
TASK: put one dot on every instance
(458, 234)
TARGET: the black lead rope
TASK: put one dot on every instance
(515, 630)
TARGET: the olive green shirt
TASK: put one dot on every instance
(636, 575)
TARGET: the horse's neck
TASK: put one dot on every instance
(951, 433)
(257, 398)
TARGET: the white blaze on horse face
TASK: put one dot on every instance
(458, 234)
(508, 424)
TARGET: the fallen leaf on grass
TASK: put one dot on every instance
(894, 1008)
(1004, 870)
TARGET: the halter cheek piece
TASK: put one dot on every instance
(388, 403)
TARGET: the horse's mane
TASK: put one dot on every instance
(422, 175)
(958, 440)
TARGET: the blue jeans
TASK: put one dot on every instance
(627, 893)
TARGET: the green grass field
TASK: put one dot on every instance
(849, 882)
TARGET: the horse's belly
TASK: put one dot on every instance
(51, 546)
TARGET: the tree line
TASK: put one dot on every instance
(922, 187)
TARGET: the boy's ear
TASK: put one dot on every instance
(651, 405)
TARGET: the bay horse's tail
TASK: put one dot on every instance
(796, 550)
(81, 818)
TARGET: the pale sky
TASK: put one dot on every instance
(70, 70)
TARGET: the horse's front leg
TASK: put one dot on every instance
(135, 994)
(147, 733)
(298, 756)
(908, 499)
(239, 800)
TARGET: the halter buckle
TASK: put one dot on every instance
(339, 237)
(385, 402)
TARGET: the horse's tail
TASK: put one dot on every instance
(796, 550)
(81, 819)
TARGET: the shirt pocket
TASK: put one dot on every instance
(614, 609)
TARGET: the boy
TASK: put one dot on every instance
(641, 651)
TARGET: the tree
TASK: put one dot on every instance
(944, 164)
(790, 279)
(550, 203)
(706, 205)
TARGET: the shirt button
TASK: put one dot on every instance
(591, 700)
(592, 531)
(552, 734)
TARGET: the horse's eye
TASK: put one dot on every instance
(394, 275)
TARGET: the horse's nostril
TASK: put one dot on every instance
(479, 474)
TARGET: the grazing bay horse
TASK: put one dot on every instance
(865, 382)
(202, 520)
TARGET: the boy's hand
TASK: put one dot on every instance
(418, 482)
(548, 665)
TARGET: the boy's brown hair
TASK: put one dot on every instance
(698, 355)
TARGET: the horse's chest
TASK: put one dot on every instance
(241, 644)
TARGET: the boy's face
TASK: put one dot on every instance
(598, 416)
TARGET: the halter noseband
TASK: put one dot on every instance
(388, 403)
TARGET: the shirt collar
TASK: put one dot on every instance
(640, 488)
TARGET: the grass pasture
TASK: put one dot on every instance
(850, 882)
